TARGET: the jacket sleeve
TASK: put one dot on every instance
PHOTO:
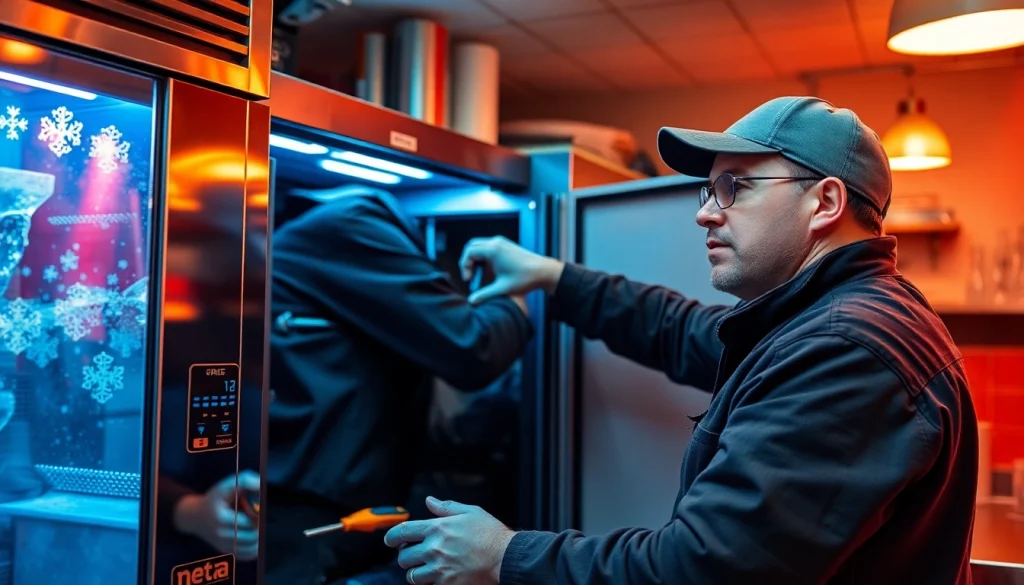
(803, 472)
(650, 325)
(364, 270)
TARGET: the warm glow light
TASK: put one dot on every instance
(955, 27)
(915, 142)
(14, 51)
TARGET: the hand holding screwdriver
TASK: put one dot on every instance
(365, 520)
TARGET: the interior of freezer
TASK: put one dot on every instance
(76, 144)
(469, 451)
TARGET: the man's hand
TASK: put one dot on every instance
(212, 517)
(517, 271)
(463, 546)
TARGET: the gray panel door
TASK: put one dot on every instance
(634, 426)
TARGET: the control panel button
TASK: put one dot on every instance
(212, 407)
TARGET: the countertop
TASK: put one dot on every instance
(998, 535)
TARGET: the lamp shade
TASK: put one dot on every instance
(915, 142)
(955, 27)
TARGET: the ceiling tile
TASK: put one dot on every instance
(455, 15)
(552, 71)
(629, 64)
(585, 32)
(510, 40)
(839, 40)
(529, 10)
(765, 15)
(724, 48)
(796, 62)
(873, 9)
(712, 72)
(684, 20)
(642, 3)
(875, 34)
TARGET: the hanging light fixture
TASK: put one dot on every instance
(915, 142)
(955, 27)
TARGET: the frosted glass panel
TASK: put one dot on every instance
(75, 202)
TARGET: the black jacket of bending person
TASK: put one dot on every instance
(840, 445)
(350, 408)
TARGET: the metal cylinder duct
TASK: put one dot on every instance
(420, 63)
(372, 68)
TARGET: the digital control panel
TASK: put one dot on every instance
(212, 407)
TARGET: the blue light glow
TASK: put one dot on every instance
(384, 165)
(21, 79)
(296, 145)
(359, 172)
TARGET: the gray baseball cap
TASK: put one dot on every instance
(806, 130)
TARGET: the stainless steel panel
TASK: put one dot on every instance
(623, 428)
(250, 76)
(214, 213)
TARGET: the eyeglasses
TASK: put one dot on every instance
(724, 188)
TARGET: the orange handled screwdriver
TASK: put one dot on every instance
(365, 520)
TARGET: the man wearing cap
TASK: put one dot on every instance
(840, 444)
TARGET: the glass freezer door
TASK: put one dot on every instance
(76, 182)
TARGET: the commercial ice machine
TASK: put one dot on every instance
(133, 219)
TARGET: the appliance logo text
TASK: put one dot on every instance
(213, 571)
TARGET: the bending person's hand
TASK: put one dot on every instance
(212, 516)
(517, 271)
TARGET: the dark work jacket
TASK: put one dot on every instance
(840, 445)
(350, 401)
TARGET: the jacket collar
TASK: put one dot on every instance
(749, 322)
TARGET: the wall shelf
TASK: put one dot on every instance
(934, 230)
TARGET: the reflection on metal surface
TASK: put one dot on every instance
(249, 74)
(997, 552)
(214, 161)
(255, 338)
(225, 40)
(12, 51)
(346, 117)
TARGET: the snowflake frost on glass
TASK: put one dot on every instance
(60, 133)
(13, 123)
(80, 311)
(68, 261)
(21, 194)
(20, 325)
(102, 378)
(43, 350)
(108, 148)
(50, 273)
(126, 317)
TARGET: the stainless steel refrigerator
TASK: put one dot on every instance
(133, 227)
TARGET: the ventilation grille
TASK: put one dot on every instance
(219, 28)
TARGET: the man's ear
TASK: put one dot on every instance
(829, 201)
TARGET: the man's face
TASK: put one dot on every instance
(759, 241)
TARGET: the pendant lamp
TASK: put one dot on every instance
(915, 142)
(955, 27)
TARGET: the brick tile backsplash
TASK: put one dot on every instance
(996, 375)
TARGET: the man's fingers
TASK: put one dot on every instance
(413, 556)
(412, 531)
(495, 289)
(423, 575)
(475, 252)
(249, 480)
(447, 507)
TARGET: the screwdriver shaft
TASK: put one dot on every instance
(324, 529)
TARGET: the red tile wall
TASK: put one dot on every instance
(996, 376)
